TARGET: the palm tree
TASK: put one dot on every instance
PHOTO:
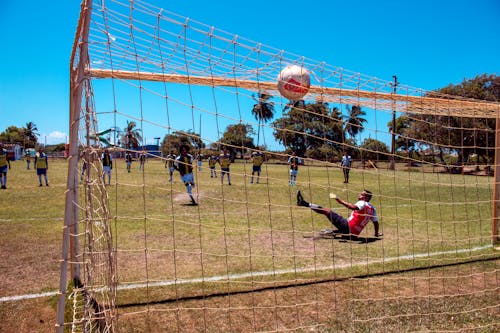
(30, 134)
(132, 136)
(354, 124)
(263, 110)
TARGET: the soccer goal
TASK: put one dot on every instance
(274, 141)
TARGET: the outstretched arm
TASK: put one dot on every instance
(347, 204)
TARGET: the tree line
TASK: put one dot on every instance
(26, 136)
(317, 130)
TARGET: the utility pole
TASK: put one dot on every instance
(394, 84)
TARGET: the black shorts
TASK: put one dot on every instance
(340, 222)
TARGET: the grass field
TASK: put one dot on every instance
(433, 263)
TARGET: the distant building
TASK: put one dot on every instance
(14, 151)
(150, 149)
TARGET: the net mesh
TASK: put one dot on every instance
(247, 258)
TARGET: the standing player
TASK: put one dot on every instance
(212, 161)
(128, 161)
(362, 213)
(41, 166)
(184, 164)
(4, 164)
(346, 166)
(84, 165)
(84, 169)
(199, 160)
(225, 162)
(169, 164)
(257, 161)
(142, 160)
(107, 166)
(27, 156)
(294, 162)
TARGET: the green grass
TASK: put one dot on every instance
(428, 220)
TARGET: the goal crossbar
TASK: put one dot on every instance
(373, 99)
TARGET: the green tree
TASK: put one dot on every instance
(173, 141)
(310, 128)
(374, 150)
(463, 136)
(238, 137)
(484, 86)
(355, 121)
(263, 111)
(403, 142)
(12, 134)
(30, 135)
(131, 135)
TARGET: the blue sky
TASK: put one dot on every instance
(427, 44)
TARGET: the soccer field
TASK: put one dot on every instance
(247, 237)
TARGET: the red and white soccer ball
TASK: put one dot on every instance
(294, 82)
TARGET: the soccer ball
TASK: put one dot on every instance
(294, 82)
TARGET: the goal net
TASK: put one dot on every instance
(236, 248)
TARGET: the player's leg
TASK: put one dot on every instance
(3, 179)
(46, 178)
(337, 220)
(189, 182)
(294, 177)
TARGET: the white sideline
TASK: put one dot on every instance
(250, 274)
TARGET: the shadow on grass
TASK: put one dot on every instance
(342, 238)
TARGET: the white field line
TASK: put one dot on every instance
(251, 274)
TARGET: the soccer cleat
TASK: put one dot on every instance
(301, 201)
(328, 232)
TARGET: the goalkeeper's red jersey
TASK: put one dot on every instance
(360, 218)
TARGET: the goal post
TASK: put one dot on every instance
(496, 192)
